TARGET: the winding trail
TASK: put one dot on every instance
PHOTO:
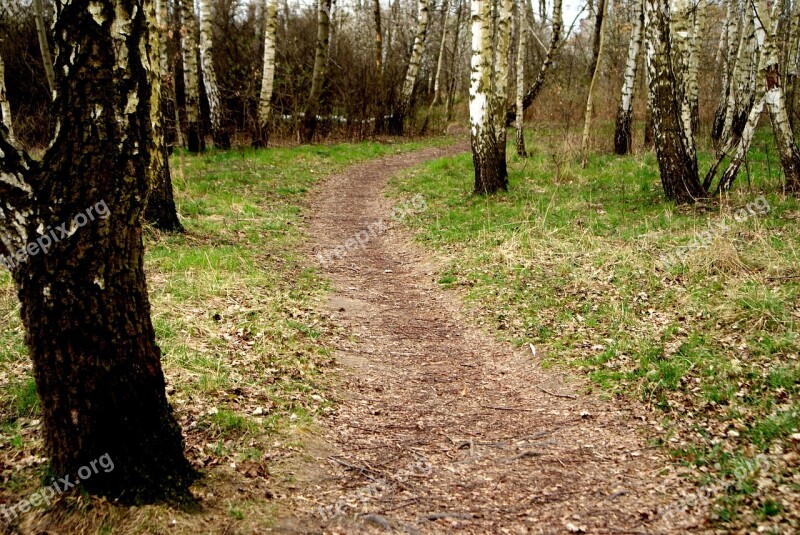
(440, 428)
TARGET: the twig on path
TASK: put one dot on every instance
(526, 453)
(367, 472)
(568, 396)
(508, 408)
(444, 516)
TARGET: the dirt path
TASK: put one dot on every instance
(439, 427)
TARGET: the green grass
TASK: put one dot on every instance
(236, 313)
(570, 260)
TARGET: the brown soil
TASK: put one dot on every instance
(441, 428)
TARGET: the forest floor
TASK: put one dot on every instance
(523, 363)
(437, 426)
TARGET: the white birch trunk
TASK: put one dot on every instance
(320, 70)
(522, 53)
(44, 47)
(407, 92)
(190, 76)
(622, 129)
(268, 73)
(587, 118)
(437, 79)
(221, 138)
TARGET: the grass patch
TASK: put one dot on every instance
(570, 259)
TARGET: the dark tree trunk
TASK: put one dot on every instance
(489, 159)
(678, 167)
(84, 300)
(648, 128)
(622, 132)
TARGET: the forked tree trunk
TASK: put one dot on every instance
(677, 165)
(5, 107)
(191, 86)
(160, 210)
(44, 47)
(740, 98)
(538, 84)
(261, 139)
(622, 129)
(488, 156)
(522, 54)
(219, 134)
(320, 69)
(81, 283)
(728, 46)
(407, 94)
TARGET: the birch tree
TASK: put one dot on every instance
(522, 55)
(622, 128)
(44, 47)
(407, 92)
(218, 133)
(677, 164)
(320, 69)
(191, 86)
(71, 235)
(160, 209)
(538, 83)
(488, 153)
(437, 78)
(728, 48)
(587, 119)
(267, 75)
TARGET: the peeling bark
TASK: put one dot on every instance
(677, 164)
(84, 300)
(488, 156)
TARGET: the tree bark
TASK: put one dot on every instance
(522, 53)
(728, 44)
(437, 79)
(538, 84)
(488, 156)
(83, 293)
(775, 99)
(622, 129)
(320, 70)
(261, 139)
(44, 47)
(160, 210)
(191, 88)
(677, 165)
(219, 134)
(380, 92)
(740, 98)
(396, 123)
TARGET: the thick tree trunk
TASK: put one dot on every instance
(622, 129)
(488, 156)
(160, 210)
(677, 165)
(44, 47)
(81, 283)
(587, 118)
(522, 53)
(396, 123)
(221, 137)
(5, 107)
(320, 69)
(538, 84)
(191, 86)
(261, 139)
